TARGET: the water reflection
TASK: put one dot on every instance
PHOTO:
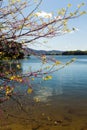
(68, 109)
(69, 81)
(45, 93)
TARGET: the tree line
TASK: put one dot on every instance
(77, 52)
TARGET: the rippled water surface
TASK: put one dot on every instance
(63, 100)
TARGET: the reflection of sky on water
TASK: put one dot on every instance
(45, 92)
(72, 80)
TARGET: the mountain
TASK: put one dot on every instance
(29, 51)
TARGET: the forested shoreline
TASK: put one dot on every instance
(10, 50)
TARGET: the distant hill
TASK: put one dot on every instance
(29, 51)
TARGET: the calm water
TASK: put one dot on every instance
(70, 81)
(63, 100)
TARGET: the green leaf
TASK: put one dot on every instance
(69, 5)
(48, 77)
(30, 90)
(84, 12)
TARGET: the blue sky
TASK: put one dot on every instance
(72, 41)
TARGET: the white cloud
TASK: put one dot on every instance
(43, 14)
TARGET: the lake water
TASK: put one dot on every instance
(63, 100)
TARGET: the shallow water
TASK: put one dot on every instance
(63, 100)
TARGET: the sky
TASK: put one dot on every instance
(70, 41)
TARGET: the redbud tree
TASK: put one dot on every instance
(22, 23)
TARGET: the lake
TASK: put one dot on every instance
(62, 100)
